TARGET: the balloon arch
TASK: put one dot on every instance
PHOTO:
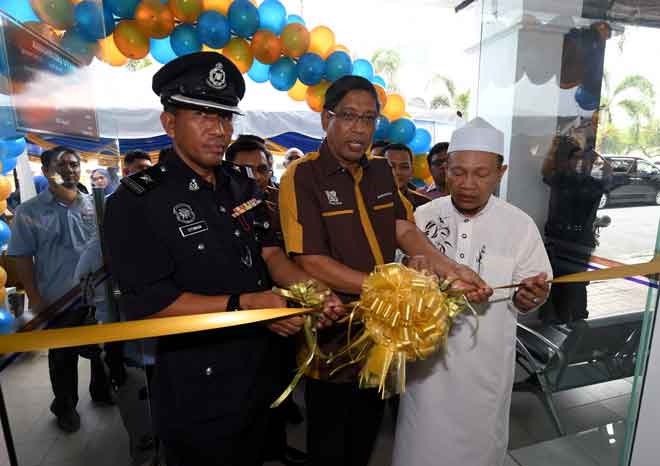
(261, 39)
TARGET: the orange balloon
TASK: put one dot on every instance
(321, 41)
(298, 92)
(3, 277)
(155, 19)
(316, 95)
(3, 207)
(185, 10)
(238, 50)
(266, 46)
(5, 187)
(109, 53)
(420, 167)
(295, 40)
(339, 48)
(221, 6)
(130, 40)
(382, 95)
(395, 107)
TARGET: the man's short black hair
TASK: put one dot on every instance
(136, 154)
(343, 86)
(248, 142)
(438, 148)
(47, 156)
(402, 147)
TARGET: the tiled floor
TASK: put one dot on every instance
(585, 413)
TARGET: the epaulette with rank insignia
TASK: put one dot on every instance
(233, 169)
(144, 181)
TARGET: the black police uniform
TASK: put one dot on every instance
(168, 232)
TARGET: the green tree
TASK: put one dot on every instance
(136, 65)
(445, 95)
(387, 62)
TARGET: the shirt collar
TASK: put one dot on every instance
(330, 163)
(486, 208)
(174, 164)
(49, 198)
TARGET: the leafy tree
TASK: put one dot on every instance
(387, 62)
(445, 95)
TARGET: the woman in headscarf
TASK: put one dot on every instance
(101, 179)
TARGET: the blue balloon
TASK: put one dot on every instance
(123, 8)
(362, 67)
(93, 21)
(586, 100)
(5, 234)
(259, 72)
(184, 40)
(7, 319)
(338, 64)
(8, 165)
(20, 10)
(421, 142)
(243, 18)
(382, 129)
(12, 148)
(283, 74)
(8, 123)
(213, 29)
(310, 68)
(401, 131)
(380, 81)
(272, 16)
(161, 50)
(295, 19)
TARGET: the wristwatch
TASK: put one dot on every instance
(234, 302)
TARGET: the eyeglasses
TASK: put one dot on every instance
(261, 169)
(350, 117)
(439, 163)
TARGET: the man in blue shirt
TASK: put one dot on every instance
(49, 233)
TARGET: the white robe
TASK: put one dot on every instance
(455, 411)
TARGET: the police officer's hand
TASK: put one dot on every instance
(269, 300)
(464, 278)
(333, 310)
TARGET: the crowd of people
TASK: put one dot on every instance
(208, 229)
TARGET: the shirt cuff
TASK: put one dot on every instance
(148, 300)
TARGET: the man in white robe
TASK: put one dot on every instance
(455, 411)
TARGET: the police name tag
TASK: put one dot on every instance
(193, 228)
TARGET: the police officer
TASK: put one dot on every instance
(189, 236)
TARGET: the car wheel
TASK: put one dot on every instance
(604, 200)
(657, 198)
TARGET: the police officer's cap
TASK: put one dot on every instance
(205, 80)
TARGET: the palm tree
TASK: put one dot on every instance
(387, 62)
(635, 96)
(449, 98)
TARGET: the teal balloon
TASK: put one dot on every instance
(8, 165)
(338, 64)
(213, 29)
(272, 16)
(283, 74)
(161, 50)
(19, 9)
(79, 46)
(586, 100)
(401, 131)
(421, 141)
(380, 81)
(382, 129)
(7, 319)
(310, 68)
(124, 9)
(93, 20)
(259, 72)
(185, 40)
(362, 67)
(295, 19)
(243, 18)
(11, 148)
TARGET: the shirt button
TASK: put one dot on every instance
(463, 236)
(237, 233)
(163, 169)
(208, 371)
(466, 220)
(461, 255)
(201, 246)
(222, 210)
(260, 282)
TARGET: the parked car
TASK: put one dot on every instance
(633, 180)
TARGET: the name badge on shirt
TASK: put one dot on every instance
(193, 228)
